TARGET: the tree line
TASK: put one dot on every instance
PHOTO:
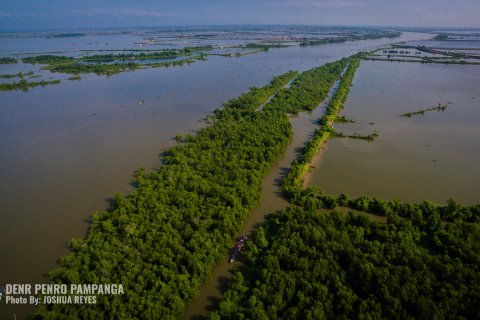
(162, 240)
(302, 264)
(25, 85)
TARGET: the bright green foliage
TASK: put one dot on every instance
(292, 184)
(47, 59)
(307, 265)
(99, 69)
(165, 54)
(162, 240)
(312, 197)
(254, 98)
(309, 89)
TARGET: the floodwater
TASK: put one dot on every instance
(433, 157)
(271, 200)
(67, 149)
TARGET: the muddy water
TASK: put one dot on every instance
(66, 149)
(433, 157)
(271, 200)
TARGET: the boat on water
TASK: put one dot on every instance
(238, 247)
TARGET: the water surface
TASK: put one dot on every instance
(66, 149)
(432, 157)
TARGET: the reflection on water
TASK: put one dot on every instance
(433, 157)
(67, 148)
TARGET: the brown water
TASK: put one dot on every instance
(433, 157)
(68, 148)
(271, 200)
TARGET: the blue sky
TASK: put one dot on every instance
(70, 14)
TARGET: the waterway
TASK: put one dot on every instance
(67, 149)
(271, 200)
(432, 157)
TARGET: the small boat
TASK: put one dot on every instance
(238, 248)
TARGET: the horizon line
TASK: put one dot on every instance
(430, 28)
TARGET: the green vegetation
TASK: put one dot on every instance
(99, 69)
(292, 184)
(24, 85)
(370, 137)
(48, 59)
(350, 37)
(440, 60)
(165, 54)
(109, 64)
(304, 265)
(162, 240)
(316, 42)
(440, 107)
(7, 60)
(314, 198)
(75, 78)
(343, 119)
(309, 89)
(265, 45)
(17, 75)
(254, 98)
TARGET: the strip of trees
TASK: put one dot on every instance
(25, 85)
(302, 264)
(162, 240)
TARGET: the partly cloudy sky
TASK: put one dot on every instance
(71, 14)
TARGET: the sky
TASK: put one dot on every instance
(74, 14)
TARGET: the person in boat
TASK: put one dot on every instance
(239, 246)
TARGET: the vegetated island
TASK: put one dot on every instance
(440, 107)
(25, 85)
(314, 198)
(109, 64)
(343, 119)
(7, 60)
(402, 53)
(370, 137)
(162, 240)
(20, 75)
(351, 37)
(75, 78)
(306, 264)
